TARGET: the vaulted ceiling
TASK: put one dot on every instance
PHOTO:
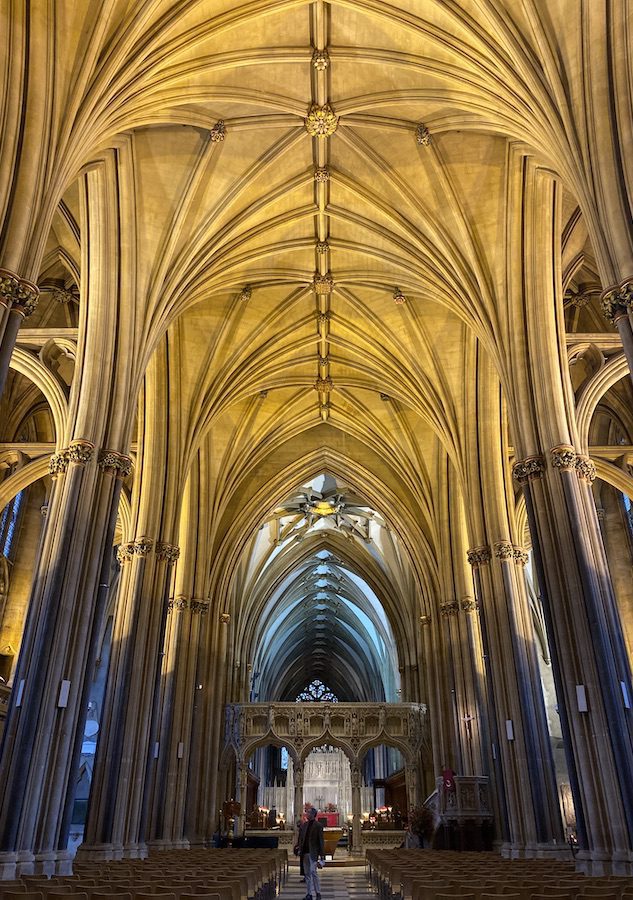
(313, 205)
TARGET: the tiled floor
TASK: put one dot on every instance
(346, 883)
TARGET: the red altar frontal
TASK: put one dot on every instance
(331, 817)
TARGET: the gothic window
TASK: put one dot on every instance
(628, 510)
(8, 523)
(316, 690)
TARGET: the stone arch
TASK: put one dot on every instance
(408, 752)
(328, 738)
(270, 740)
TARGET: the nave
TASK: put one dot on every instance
(249, 874)
(337, 883)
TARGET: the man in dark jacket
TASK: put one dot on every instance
(311, 849)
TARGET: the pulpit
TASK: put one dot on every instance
(331, 837)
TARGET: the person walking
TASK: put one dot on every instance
(311, 851)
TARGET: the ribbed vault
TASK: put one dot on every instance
(322, 574)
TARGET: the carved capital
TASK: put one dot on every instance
(449, 608)
(563, 457)
(125, 552)
(521, 556)
(469, 605)
(178, 604)
(581, 299)
(25, 299)
(423, 135)
(321, 121)
(479, 556)
(321, 174)
(62, 296)
(199, 607)
(322, 284)
(617, 300)
(218, 132)
(80, 452)
(320, 60)
(18, 294)
(225, 618)
(528, 469)
(585, 468)
(504, 550)
(116, 463)
(425, 620)
(143, 546)
(58, 463)
(168, 553)
(8, 287)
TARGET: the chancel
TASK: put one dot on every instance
(316, 431)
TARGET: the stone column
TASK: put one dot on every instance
(44, 729)
(357, 843)
(240, 795)
(522, 748)
(185, 625)
(479, 558)
(18, 300)
(114, 826)
(464, 710)
(475, 718)
(589, 663)
(298, 798)
(411, 782)
(428, 655)
(594, 681)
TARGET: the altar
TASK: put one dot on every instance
(328, 819)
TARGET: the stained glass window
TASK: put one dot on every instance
(316, 690)
(8, 522)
